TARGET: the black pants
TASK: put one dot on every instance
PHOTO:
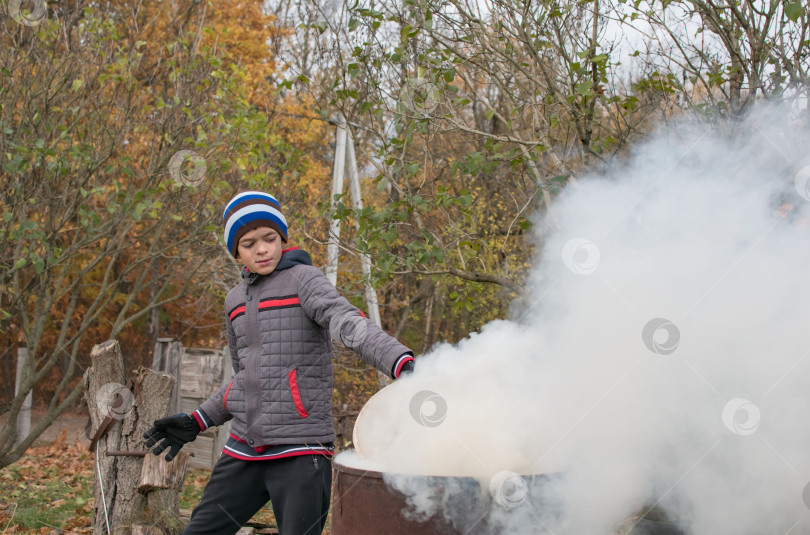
(299, 489)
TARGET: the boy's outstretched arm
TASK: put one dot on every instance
(346, 324)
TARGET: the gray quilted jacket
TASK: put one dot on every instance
(279, 332)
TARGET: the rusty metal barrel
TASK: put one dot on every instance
(363, 504)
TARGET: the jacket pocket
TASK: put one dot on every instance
(296, 395)
(225, 397)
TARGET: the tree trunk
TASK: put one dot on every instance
(121, 503)
(24, 417)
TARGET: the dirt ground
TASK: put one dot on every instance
(71, 423)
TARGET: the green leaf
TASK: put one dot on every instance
(405, 32)
(794, 10)
(584, 88)
(77, 84)
(20, 263)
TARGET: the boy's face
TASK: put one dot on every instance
(260, 250)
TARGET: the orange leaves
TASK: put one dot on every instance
(241, 30)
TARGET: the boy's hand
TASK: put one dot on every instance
(403, 366)
(174, 432)
(406, 369)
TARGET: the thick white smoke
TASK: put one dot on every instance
(662, 359)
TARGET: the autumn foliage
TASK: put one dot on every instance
(125, 126)
(105, 232)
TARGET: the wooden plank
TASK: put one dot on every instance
(189, 405)
(203, 449)
(201, 373)
(170, 363)
(201, 370)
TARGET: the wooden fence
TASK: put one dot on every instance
(199, 373)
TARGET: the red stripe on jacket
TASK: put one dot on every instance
(236, 311)
(225, 397)
(279, 303)
(270, 303)
(296, 395)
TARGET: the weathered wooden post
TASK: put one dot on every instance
(24, 417)
(166, 358)
(135, 492)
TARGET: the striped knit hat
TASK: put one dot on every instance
(250, 210)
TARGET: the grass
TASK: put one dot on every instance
(50, 491)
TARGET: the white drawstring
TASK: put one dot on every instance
(101, 484)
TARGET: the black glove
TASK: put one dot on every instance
(174, 431)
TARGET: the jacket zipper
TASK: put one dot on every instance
(250, 383)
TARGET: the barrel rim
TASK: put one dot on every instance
(369, 472)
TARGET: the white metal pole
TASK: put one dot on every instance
(365, 260)
(337, 189)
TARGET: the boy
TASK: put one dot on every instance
(279, 320)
